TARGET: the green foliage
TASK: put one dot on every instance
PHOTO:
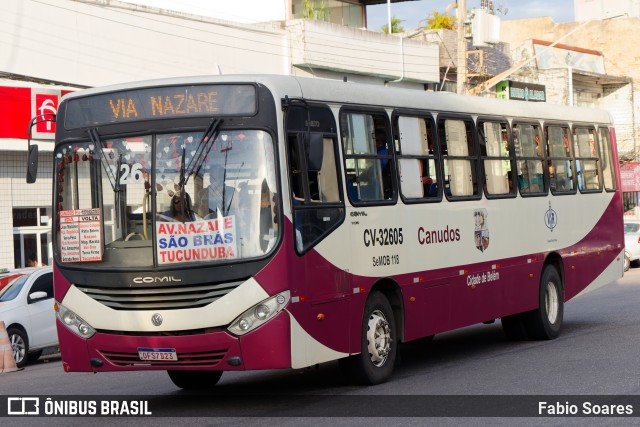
(313, 10)
(395, 26)
(436, 21)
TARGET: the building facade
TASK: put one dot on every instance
(55, 46)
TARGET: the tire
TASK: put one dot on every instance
(379, 343)
(627, 262)
(545, 322)
(20, 346)
(195, 380)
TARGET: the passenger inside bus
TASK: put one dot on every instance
(382, 149)
(429, 185)
(180, 208)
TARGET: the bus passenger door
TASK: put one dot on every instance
(317, 205)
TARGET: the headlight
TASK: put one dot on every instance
(74, 322)
(259, 314)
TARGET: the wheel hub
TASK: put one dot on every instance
(551, 302)
(18, 348)
(378, 338)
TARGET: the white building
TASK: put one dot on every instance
(52, 46)
(585, 10)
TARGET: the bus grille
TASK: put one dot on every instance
(199, 359)
(158, 298)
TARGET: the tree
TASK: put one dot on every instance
(436, 21)
(314, 11)
(395, 26)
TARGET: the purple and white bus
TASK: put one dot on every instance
(230, 223)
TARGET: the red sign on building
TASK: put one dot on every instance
(46, 104)
(630, 176)
(18, 105)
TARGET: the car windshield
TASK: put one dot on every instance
(631, 227)
(13, 289)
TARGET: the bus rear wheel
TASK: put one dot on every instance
(545, 322)
(376, 360)
(195, 380)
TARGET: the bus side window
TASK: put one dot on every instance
(416, 158)
(368, 157)
(458, 157)
(496, 156)
(606, 159)
(586, 152)
(529, 159)
(559, 160)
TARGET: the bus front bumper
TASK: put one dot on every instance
(267, 347)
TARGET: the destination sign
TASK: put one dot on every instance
(161, 103)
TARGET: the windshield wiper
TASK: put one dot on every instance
(95, 139)
(204, 146)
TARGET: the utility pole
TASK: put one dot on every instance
(462, 47)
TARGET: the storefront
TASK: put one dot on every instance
(25, 209)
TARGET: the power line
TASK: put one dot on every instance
(357, 52)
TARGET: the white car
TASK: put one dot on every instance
(631, 243)
(26, 308)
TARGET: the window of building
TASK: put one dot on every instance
(342, 12)
(31, 237)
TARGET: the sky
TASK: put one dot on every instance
(412, 12)
(409, 12)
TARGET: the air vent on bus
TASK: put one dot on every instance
(159, 298)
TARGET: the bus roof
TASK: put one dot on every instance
(335, 91)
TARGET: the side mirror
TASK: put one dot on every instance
(38, 295)
(32, 154)
(32, 164)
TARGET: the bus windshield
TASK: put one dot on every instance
(123, 202)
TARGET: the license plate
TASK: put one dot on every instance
(157, 354)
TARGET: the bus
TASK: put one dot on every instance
(251, 222)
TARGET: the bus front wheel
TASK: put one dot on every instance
(195, 380)
(379, 342)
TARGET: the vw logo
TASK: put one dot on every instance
(156, 319)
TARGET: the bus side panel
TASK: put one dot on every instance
(268, 347)
(73, 349)
(427, 309)
(592, 255)
(320, 293)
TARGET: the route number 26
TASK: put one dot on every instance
(129, 174)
